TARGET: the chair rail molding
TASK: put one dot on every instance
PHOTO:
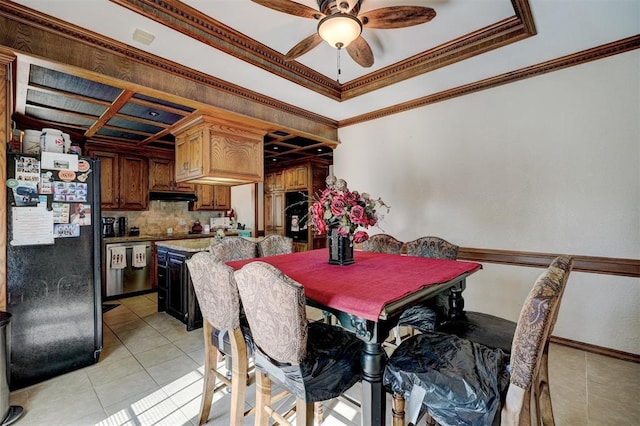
(592, 264)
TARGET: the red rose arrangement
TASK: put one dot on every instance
(349, 210)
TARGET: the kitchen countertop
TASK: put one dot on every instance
(195, 245)
(163, 237)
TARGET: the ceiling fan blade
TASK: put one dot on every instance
(303, 47)
(291, 7)
(397, 16)
(360, 52)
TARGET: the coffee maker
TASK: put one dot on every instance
(107, 227)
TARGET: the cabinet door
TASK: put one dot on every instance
(161, 174)
(274, 181)
(296, 177)
(184, 187)
(109, 179)
(176, 303)
(161, 276)
(134, 182)
(162, 177)
(206, 200)
(268, 213)
(222, 197)
(274, 213)
(182, 158)
(195, 141)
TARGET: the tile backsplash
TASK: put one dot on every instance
(162, 215)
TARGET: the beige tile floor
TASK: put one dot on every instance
(150, 373)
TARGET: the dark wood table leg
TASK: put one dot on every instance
(456, 301)
(373, 394)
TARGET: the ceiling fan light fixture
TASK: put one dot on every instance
(339, 29)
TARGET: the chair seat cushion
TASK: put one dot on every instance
(463, 381)
(331, 366)
(488, 330)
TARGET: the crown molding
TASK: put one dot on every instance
(181, 17)
(593, 54)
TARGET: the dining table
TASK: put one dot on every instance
(367, 298)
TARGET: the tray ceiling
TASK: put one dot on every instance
(242, 44)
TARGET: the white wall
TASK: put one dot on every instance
(243, 203)
(548, 164)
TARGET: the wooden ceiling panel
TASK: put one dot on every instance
(100, 112)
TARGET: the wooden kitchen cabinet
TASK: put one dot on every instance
(296, 178)
(124, 181)
(296, 185)
(274, 181)
(176, 294)
(188, 162)
(298, 247)
(213, 151)
(162, 177)
(274, 213)
(212, 197)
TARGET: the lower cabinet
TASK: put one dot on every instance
(176, 295)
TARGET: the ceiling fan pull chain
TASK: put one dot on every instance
(339, 71)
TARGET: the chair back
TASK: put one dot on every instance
(216, 290)
(275, 244)
(433, 247)
(536, 321)
(234, 248)
(275, 308)
(383, 243)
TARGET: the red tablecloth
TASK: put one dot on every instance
(366, 286)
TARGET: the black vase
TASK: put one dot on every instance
(340, 248)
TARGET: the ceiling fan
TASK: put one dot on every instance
(341, 24)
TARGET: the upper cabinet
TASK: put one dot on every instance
(274, 181)
(289, 192)
(296, 177)
(210, 151)
(162, 177)
(124, 181)
(212, 197)
(189, 154)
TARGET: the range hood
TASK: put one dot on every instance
(172, 196)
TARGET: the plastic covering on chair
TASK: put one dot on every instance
(489, 330)
(314, 361)
(459, 381)
(452, 372)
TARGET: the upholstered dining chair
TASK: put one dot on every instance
(234, 248)
(275, 244)
(435, 310)
(456, 380)
(383, 243)
(313, 361)
(433, 247)
(217, 294)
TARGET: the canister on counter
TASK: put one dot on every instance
(51, 140)
(31, 141)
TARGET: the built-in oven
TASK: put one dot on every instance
(128, 269)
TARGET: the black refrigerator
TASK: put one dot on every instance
(53, 265)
